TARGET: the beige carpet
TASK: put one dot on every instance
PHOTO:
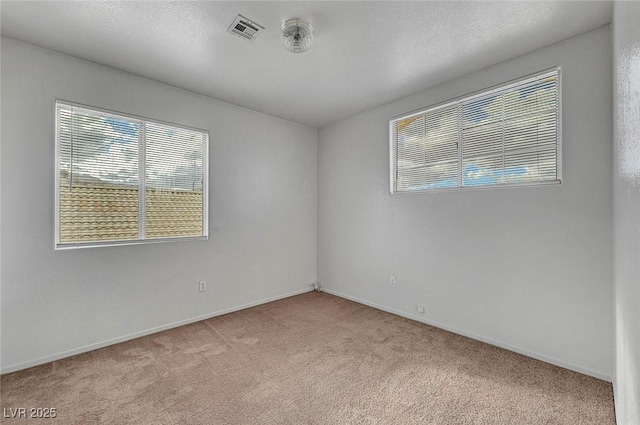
(309, 359)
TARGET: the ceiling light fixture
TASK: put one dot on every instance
(297, 35)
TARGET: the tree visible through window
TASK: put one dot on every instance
(122, 179)
(504, 136)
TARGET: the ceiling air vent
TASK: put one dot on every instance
(245, 28)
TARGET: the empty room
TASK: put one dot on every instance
(320, 212)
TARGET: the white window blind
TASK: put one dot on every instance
(509, 135)
(123, 179)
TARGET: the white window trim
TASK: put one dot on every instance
(477, 94)
(58, 246)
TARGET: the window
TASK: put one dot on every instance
(509, 135)
(122, 179)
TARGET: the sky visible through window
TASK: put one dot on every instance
(105, 149)
(503, 137)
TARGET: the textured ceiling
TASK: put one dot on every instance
(364, 54)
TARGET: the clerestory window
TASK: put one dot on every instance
(508, 135)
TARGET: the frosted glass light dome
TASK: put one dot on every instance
(297, 35)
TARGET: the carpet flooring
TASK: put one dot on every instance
(309, 359)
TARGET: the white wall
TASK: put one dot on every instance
(262, 218)
(529, 269)
(626, 208)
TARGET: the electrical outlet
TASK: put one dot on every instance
(420, 308)
(203, 285)
(392, 281)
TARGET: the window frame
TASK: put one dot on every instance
(468, 97)
(62, 246)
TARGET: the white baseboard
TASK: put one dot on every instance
(101, 344)
(477, 337)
